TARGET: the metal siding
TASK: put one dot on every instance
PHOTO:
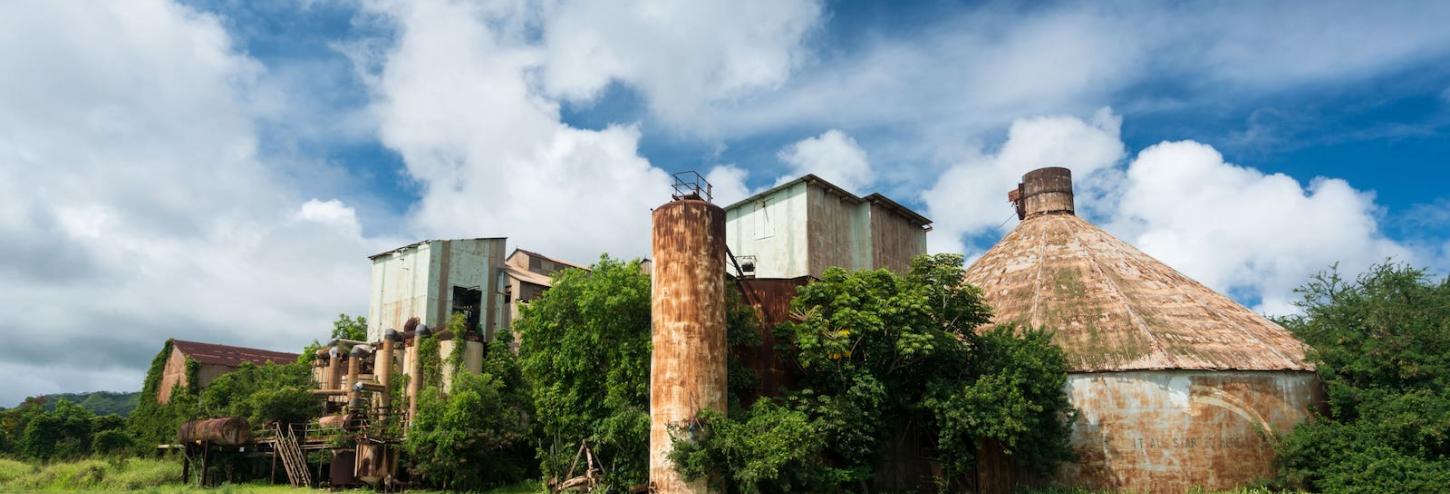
(416, 282)
(829, 225)
(895, 241)
(783, 254)
(771, 297)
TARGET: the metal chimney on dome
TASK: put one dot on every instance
(1043, 191)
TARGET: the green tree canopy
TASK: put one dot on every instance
(887, 360)
(1381, 345)
(585, 350)
(350, 328)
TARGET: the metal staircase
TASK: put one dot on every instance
(292, 459)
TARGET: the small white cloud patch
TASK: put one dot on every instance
(834, 156)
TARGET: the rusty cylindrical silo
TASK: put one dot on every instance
(687, 364)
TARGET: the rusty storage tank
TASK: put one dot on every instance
(227, 431)
(1176, 385)
(687, 364)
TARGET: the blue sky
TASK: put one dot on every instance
(217, 170)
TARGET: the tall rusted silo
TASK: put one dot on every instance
(687, 364)
(1177, 386)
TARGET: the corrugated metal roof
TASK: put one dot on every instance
(527, 276)
(845, 195)
(1114, 308)
(421, 242)
(230, 356)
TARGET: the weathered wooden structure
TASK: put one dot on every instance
(688, 360)
(1177, 386)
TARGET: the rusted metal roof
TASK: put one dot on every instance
(230, 356)
(1114, 308)
(531, 253)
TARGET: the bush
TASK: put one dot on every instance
(1381, 345)
(112, 442)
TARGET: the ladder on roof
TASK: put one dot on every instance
(292, 459)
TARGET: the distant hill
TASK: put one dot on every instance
(100, 402)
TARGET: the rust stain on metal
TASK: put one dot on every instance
(229, 431)
(687, 364)
(771, 297)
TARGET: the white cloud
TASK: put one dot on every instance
(1239, 230)
(970, 198)
(834, 156)
(728, 183)
(136, 207)
(681, 55)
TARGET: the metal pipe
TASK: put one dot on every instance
(383, 362)
(334, 371)
(415, 374)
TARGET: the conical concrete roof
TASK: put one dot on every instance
(1114, 308)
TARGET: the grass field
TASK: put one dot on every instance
(145, 476)
(156, 476)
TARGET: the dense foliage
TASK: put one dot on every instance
(65, 430)
(585, 349)
(350, 328)
(476, 434)
(1381, 344)
(262, 394)
(888, 364)
(153, 423)
(98, 402)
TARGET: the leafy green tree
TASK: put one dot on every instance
(112, 442)
(477, 435)
(1381, 345)
(62, 433)
(585, 350)
(883, 357)
(262, 393)
(350, 328)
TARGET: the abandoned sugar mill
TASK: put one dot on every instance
(1176, 385)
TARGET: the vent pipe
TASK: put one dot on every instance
(1043, 191)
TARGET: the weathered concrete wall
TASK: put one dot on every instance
(172, 374)
(1169, 431)
(687, 302)
(399, 290)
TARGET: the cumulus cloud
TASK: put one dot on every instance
(970, 198)
(681, 55)
(728, 183)
(1242, 231)
(834, 156)
(455, 96)
(1256, 236)
(136, 207)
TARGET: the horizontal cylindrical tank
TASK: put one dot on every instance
(229, 431)
(687, 364)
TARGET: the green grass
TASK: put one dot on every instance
(152, 476)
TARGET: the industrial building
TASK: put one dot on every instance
(433, 279)
(1176, 385)
(803, 226)
(212, 361)
(527, 275)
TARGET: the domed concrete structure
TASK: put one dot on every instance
(1176, 385)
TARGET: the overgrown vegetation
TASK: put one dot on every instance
(350, 328)
(891, 365)
(1381, 344)
(476, 434)
(66, 431)
(586, 348)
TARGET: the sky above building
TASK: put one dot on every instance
(219, 170)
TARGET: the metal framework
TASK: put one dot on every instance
(691, 185)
